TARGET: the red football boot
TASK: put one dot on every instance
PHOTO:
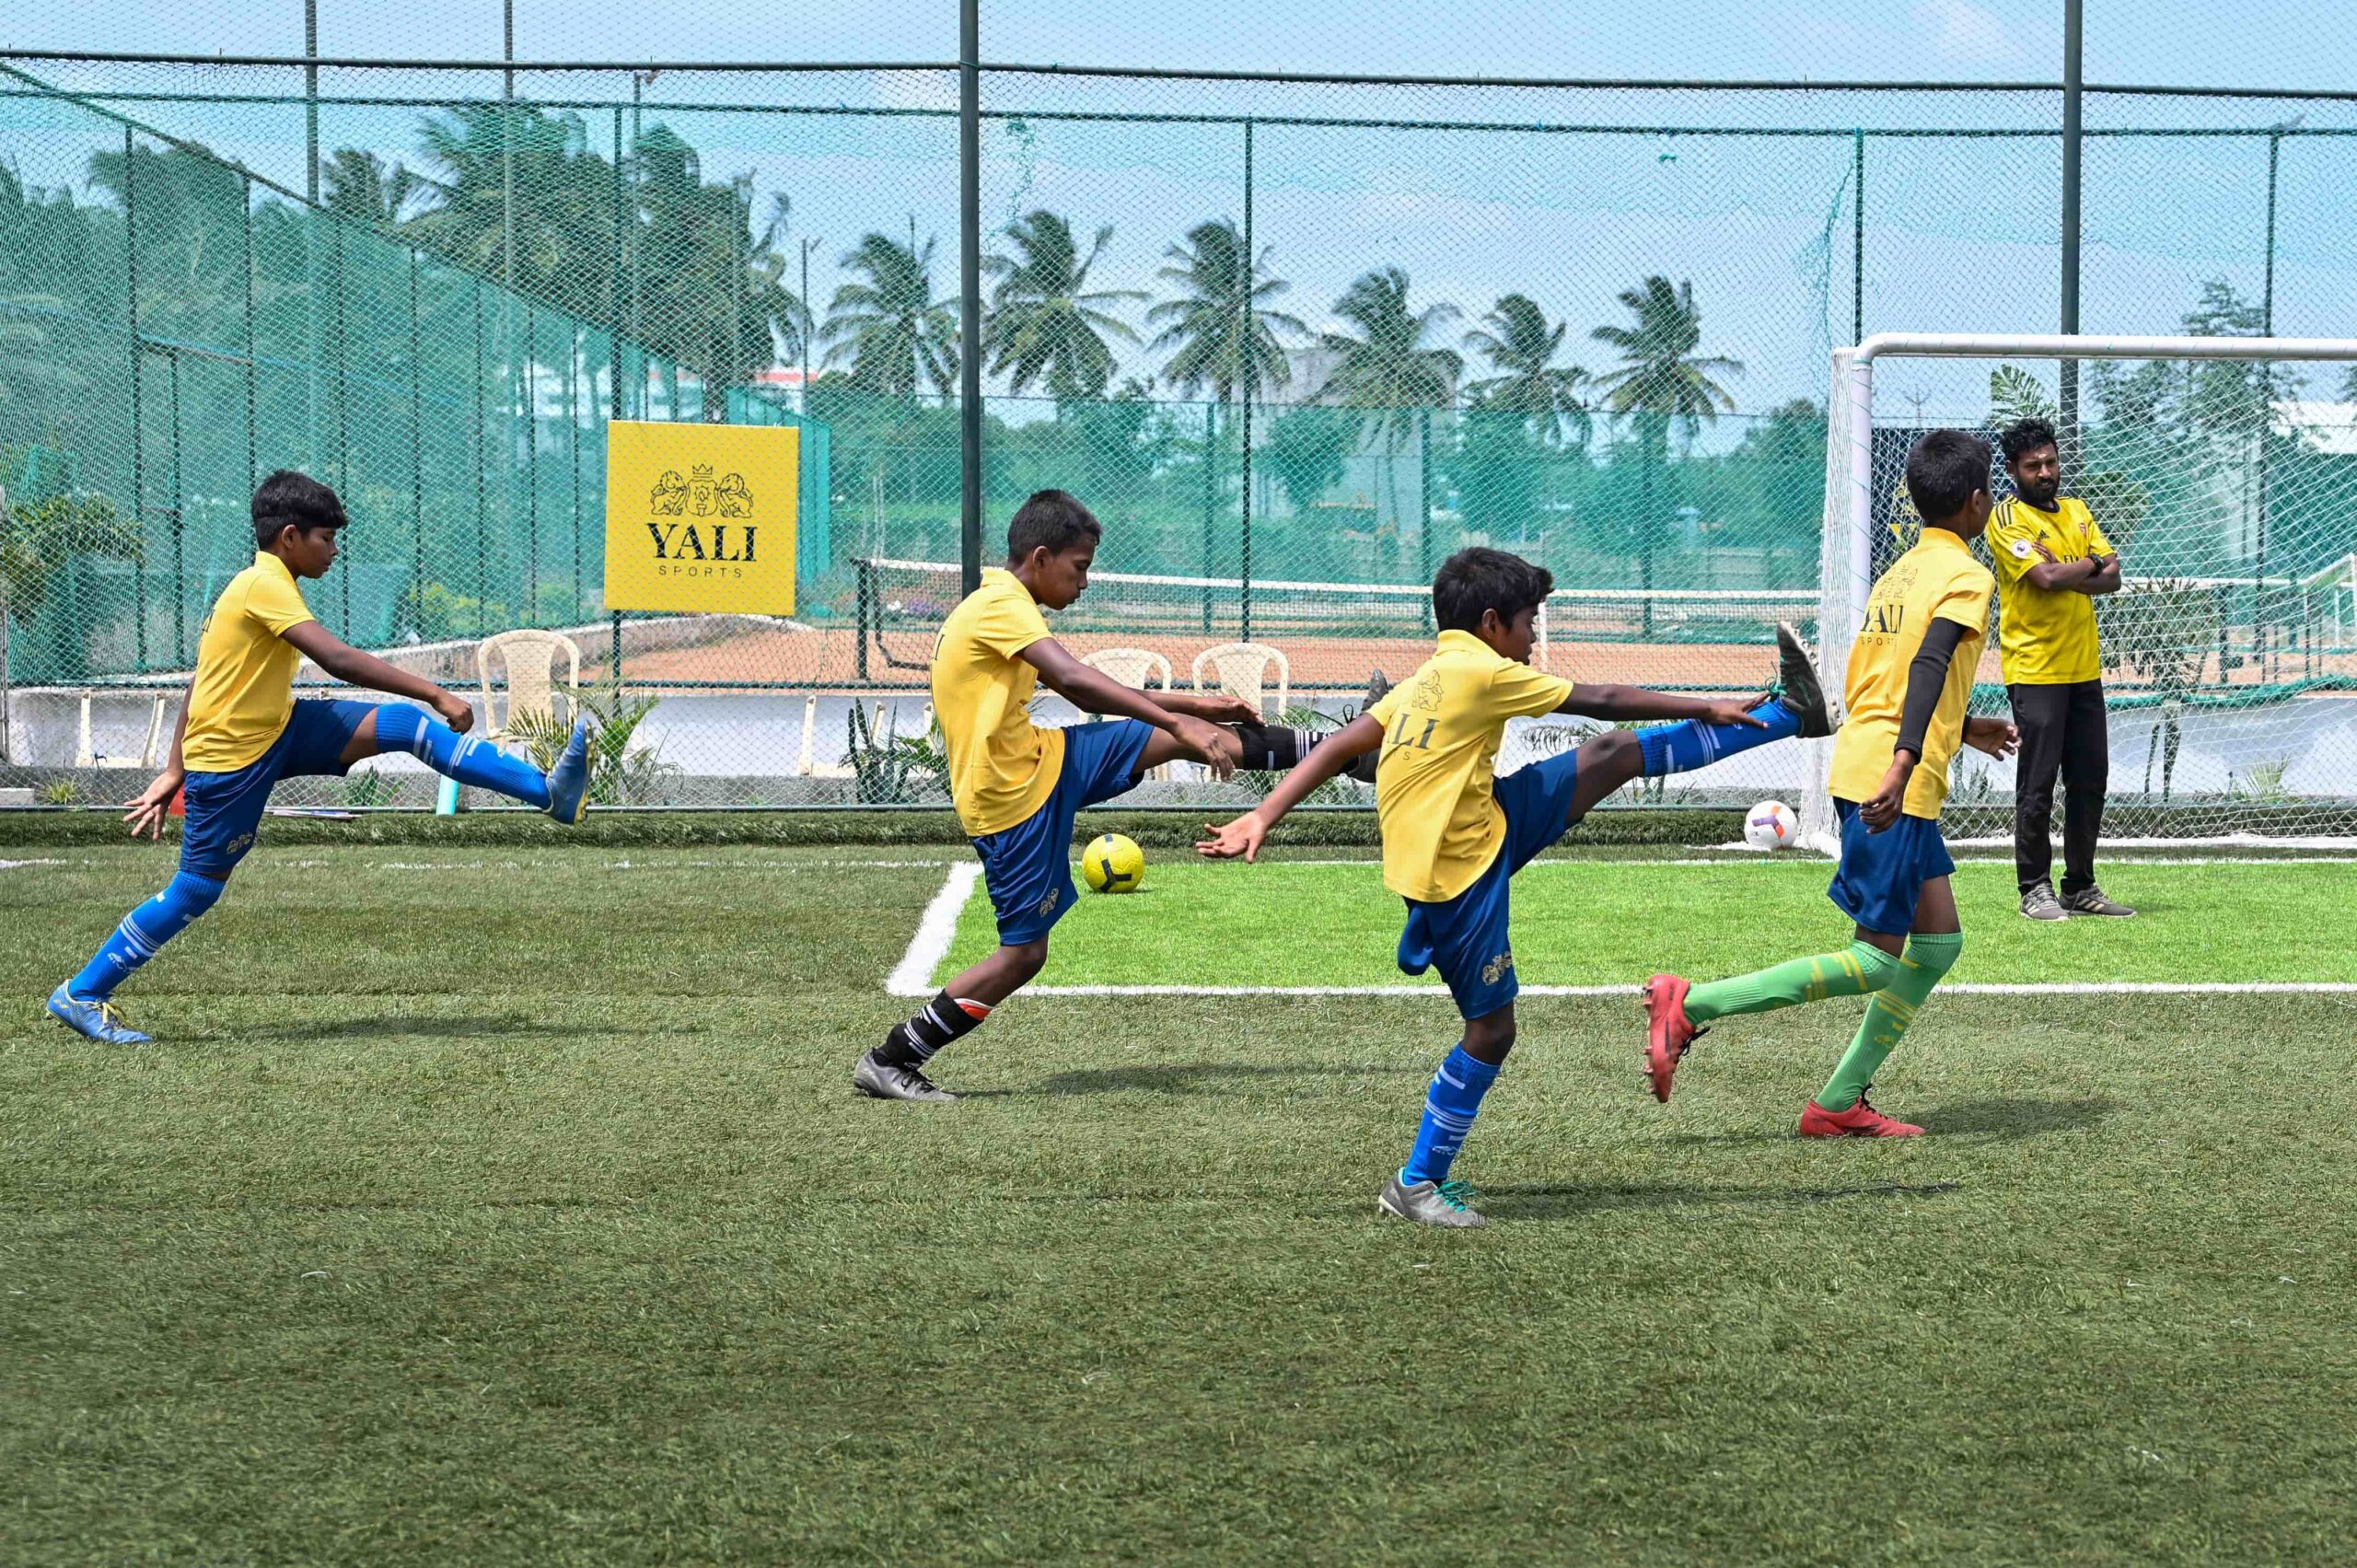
(1861, 1121)
(1669, 1035)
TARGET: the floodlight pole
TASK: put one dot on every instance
(2074, 39)
(969, 296)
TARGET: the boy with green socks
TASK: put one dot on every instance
(1910, 679)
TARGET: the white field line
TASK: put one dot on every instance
(13, 865)
(913, 975)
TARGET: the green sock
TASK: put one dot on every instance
(1862, 968)
(1887, 1015)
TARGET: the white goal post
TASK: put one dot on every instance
(2191, 470)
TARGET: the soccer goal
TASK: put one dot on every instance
(2224, 470)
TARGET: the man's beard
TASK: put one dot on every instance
(2042, 496)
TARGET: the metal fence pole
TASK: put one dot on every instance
(615, 407)
(482, 585)
(527, 390)
(312, 101)
(1244, 607)
(2074, 33)
(138, 431)
(253, 369)
(970, 297)
(416, 454)
(1858, 236)
(2274, 159)
(1210, 504)
(342, 419)
(180, 523)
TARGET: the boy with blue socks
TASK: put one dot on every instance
(241, 731)
(1454, 833)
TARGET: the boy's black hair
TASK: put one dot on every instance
(1942, 470)
(287, 498)
(2024, 436)
(1477, 578)
(1051, 517)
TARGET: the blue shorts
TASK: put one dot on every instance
(1882, 875)
(1465, 938)
(225, 809)
(1027, 868)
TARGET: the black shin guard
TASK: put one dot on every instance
(1270, 747)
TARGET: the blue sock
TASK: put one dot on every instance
(1690, 744)
(1450, 1109)
(460, 757)
(143, 933)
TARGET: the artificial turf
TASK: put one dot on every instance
(514, 1209)
(1312, 921)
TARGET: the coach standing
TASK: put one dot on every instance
(2051, 560)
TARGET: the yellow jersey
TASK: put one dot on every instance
(2044, 636)
(244, 690)
(1436, 787)
(1936, 580)
(1002, 766)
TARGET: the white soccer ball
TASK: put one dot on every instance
(1771, 824)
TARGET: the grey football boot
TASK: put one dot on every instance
(1441, 1203)
(885, 1080)
(2091, 900)
(1798, 685)
(2040, 904)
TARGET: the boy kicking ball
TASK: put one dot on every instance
(1909, 678)
(1017, 787)
(1454, 833)
(241, 731)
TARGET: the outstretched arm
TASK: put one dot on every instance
(348, 663)
(1637, 702)
(1245, 835)
(1094, 692)
(1217, 706)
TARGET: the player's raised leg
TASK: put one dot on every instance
(561, 792)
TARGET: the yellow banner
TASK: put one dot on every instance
(701, 517)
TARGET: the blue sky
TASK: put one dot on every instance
(1961, 234)
(2254, 43)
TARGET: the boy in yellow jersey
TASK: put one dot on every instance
(1454, 834)
(2052, 560)
(1910, 679)
(241, 731)
(1018, 787)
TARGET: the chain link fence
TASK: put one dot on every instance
(1295, 342)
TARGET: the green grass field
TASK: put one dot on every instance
(1579, 922)
(511, 1208)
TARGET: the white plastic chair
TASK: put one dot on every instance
(530, 658)
(1137, 669)
(1242, 670)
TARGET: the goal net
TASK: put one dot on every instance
(2225, 472)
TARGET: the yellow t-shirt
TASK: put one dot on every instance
(1436, 796)
(2044, 636)
(245, 669)
(1936, 580)
(1002, 766)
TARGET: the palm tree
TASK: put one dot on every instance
(359, 185)
(1043, 320)
(1662, 383)
(1389, 373)
(886, 326)
(1225, 340)
(1521, 347)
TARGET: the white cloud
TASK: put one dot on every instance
(1966, 32)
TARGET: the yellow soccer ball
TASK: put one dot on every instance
(1113, 864)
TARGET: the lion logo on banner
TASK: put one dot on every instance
(670, 497)
(735, 501)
